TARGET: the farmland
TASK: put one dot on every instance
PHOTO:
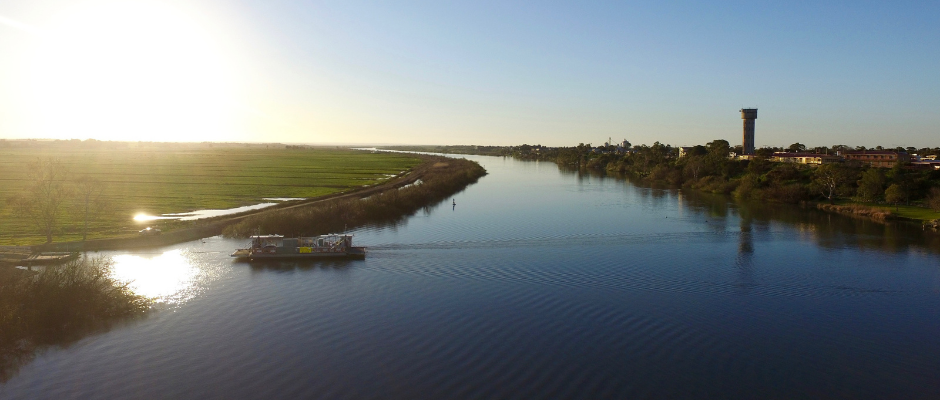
(160, 178)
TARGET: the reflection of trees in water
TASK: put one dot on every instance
(57, 307)
(745, 259)
(827, 230)
(745, 239)
(657, 198)
(583, 173)
(567, 170)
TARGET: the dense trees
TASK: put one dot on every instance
(872, 185)
(797, 148)
(709, 168)
(694, 166)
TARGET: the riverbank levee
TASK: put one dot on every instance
(431, 182)
(123, 180)
(427, 183)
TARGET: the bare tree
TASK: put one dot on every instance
(829, 178)
(42, 201)
(89, 200)
(694, 166)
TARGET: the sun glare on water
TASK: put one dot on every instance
(130, 71)
(168, 278)
(144, 217)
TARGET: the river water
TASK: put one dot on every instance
(539, 283)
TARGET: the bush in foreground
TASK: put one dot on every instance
(58, 305)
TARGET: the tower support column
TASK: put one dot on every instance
(749, 115)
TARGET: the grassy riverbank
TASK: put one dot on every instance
(159, 178)
(432, 182)
(881, 212)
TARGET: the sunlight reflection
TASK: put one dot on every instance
(145, 217)
(201, 214)
(168, 278)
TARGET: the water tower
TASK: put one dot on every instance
(748, 115)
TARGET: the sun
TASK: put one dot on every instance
(131, 71)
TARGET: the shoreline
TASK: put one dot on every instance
(439, 179)
(215, 226)
(877, 214)
(911, 214)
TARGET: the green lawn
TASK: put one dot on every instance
(158, 178)
(911, 212)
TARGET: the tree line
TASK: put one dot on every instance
(709, 168)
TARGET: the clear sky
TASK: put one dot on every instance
(474, 72)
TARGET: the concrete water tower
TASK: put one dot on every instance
(748, 115)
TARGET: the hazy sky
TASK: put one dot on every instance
(476, 72)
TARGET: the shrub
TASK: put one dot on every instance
(58, 305)
(933, 199)
(784, 173)
(787, 193)
(715, 184)
(748, 187)
(857, 210)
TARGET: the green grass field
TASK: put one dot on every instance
(910, 212)
(159, 178)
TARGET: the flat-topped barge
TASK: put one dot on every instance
(264, 247)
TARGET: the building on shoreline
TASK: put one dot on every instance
(877, 158)
(926, 164)
(805, 158)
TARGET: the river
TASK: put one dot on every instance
(539, 283)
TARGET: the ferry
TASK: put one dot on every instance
(265, 247)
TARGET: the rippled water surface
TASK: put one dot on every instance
(539, 283)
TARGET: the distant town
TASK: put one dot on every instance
(901, 182)
(924, 158)
(910, 157)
